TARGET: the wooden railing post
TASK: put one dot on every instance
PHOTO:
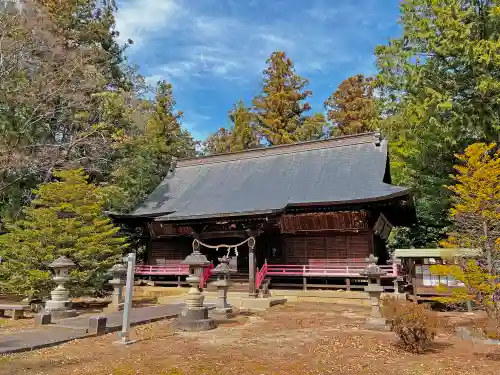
(394, 268)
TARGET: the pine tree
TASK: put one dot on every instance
(352, 107)
(66, 219)
(280, 108)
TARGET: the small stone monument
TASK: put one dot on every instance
(374, 289)
(59, 305)
(223, 309)
(194, 317)
(118, 272)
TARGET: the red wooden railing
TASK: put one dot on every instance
(260, 276)
(318, 269)
(207, 272)
(166, 270)
(329, 270)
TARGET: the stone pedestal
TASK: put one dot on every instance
(374, 289)
(223, 309)
(59, 306)
(118, 271)
(194, 317)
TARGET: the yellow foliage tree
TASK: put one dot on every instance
(475, 215)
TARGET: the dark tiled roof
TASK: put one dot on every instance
(335, 171)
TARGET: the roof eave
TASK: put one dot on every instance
(353, 201)
(233, 215)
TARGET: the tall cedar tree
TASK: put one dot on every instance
(439, 82)
(240, 136)
(280, 108)
(244, 136)
(91, 23)
(352, 109)
(66, 219)
(475, 218)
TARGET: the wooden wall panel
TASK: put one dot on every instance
(165, 250)
(336, 247)
(303, 249)
(358, 246)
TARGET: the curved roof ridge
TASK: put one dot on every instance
(346, 140)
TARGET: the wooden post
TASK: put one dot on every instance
(178, 281)
(304, 284)
(252, 265)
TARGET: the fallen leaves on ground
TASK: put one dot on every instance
(314, 339)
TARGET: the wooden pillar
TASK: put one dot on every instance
(252, 266)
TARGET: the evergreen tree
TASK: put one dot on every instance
(66, 219)
(146, 150)
(91, 23)
(241, 134)
(279, 109)
(313, 127)
(439, 82)
(352, 107)
(218, 143)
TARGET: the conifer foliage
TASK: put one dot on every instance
(352, 107)
(280, 108)
(66, 219)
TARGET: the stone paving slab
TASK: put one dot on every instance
(140, 315)
(75, 328)
(25, 341)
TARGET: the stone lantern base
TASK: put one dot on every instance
(59, 307)
(194, 320)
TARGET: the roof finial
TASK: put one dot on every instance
(377, 137)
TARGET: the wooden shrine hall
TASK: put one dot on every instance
(316, 210)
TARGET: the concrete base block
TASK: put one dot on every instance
(97, 325)
(188, 325)
(259, 304)
(194, 320)
(42, 319)
(222, 314)
(376, 324)
(195, 314)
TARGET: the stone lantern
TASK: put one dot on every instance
(59, 305)
(118, 273)
(223, 271)
(194, 317)
(374, 289)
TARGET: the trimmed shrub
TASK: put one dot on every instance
(415, 324)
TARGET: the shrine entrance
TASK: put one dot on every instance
(240, 252)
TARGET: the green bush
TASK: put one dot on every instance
(415, 324)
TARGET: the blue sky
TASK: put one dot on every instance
(214, 51)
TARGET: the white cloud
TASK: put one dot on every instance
(220, 46)
(138, 19)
